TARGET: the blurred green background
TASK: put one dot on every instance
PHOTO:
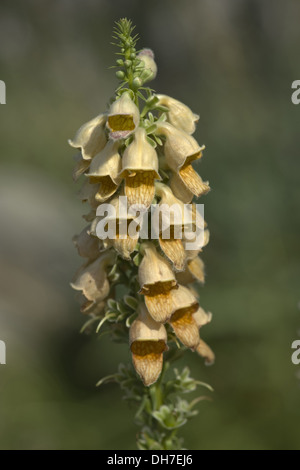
(234, 62)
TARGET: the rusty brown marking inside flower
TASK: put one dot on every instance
(185, 326)
(106, 189)
(158, 300)
(192, 158)
(121, 122)
(183, 316)
(147, 359)
(174, 250)
(139, 187)
(192, 180)
(158, 288)
(148, 348)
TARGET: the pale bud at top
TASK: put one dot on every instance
(150, 67)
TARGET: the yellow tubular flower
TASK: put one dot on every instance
(182, 191)
(140, 170)
(123, 117)
(104, 169)
(182, 320)
(179, 115)
(157, 280)
(148, 341)
(91, 279)
(122, 243)
(181, 149)
(170, 243)
(90, 138)
(194, 271)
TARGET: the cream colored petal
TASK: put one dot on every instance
(154, 268)
(88, 307)
(148, 341)
(179, 189)
(80, 167)
(123, 117)
(205, 351)
(107, 188)
(124, 246)
(195, 271)
(179, 115)
(147, 357)
(139, 187)
(87, 193)
(174, 251)
(179, 147)
(140, 155)
(192, 181)
(107, 163)
(159, 301)
(185, 327)
(182, 298)
(90, 138)
(91, 278)
(150, 67)
(201, 317)
(87, 245)
(144, 328)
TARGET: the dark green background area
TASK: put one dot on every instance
(232, 61)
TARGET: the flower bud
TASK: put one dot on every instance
(179, 115)
(148, 341)
(123, 117)
(150, 67)
(104, 169)
(140, 169)
(90, 138)
(157, 280)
